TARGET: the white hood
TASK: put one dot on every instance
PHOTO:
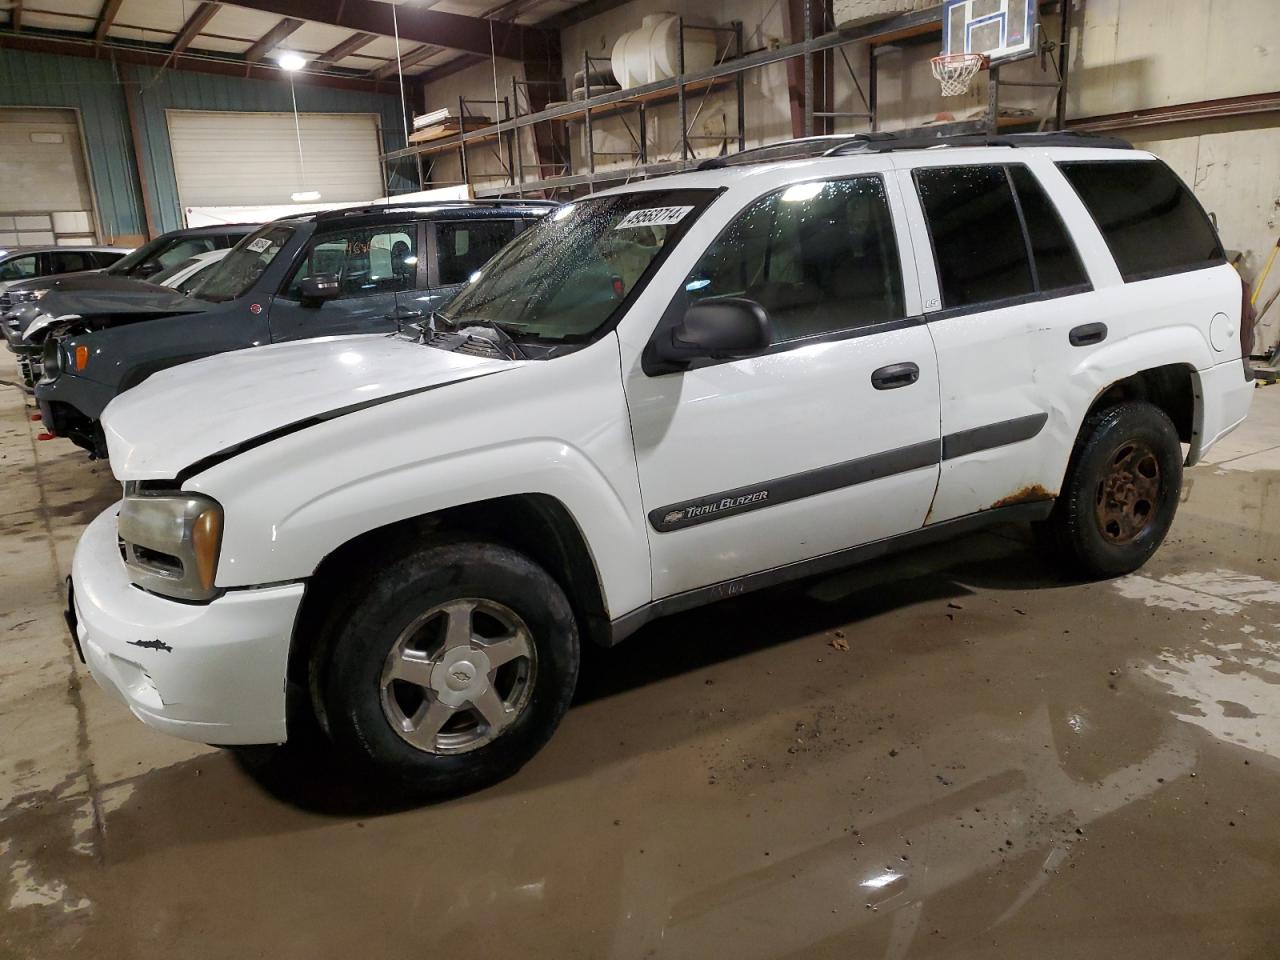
(195, 410)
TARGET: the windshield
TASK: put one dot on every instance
(163, 276)
(234, 274)
(565, 278)
(145, 252)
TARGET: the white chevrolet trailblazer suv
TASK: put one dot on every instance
(661, 395)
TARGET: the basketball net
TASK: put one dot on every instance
(955, 71)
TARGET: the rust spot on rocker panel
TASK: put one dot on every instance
(1032, 494)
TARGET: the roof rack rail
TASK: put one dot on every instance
(782, 150)
(924, 138)
(368, 208)
(960, 134)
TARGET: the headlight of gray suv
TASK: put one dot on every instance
(51, 358)
(170, 542)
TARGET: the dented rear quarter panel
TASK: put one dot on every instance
(1014, 361)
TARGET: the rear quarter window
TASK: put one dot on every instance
(1151, 222)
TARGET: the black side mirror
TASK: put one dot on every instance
(723, 329)
(319, 287)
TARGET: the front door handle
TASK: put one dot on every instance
(895, 375)
(1088, 334)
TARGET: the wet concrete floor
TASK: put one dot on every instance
(953, 754)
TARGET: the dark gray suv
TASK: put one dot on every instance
(356, 270)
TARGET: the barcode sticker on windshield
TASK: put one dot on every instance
(257, 246)
(653, 217)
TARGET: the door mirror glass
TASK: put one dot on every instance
(316, 289)
(729, 328)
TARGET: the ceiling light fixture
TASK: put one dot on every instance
(290, 61)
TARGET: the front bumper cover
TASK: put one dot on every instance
(212, 673)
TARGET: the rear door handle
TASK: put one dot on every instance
(895, 375)
(1088, 334)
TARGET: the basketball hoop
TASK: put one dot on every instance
(955, 71)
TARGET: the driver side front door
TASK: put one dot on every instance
(828, 440)
(376, 267)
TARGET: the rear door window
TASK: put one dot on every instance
(463, 247)
(67, 261)
(1057, 263)
(977, 236)
(1152, 223)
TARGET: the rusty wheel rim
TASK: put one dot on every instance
(1128, 492)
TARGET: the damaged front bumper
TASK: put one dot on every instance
(212, 673)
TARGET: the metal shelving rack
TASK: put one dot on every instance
(681, 89)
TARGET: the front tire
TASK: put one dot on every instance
(1121, 491)
(453, 668)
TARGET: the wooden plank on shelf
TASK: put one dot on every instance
(449, 128)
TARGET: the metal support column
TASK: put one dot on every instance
(741, 84)
(993, 100)
(586, 117)
(684, 106)
(512, 133)
(808, 70)
(1064, 65)
(462, 144)
(873, 87)
(515, 136)
(643, 123)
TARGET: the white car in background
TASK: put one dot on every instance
(183, 276)
(660, 396)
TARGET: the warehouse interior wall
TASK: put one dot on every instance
(1125, 56)
(129, 186)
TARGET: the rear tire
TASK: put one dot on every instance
(453, 668)
(1121, 491)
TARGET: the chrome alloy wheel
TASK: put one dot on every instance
(458, 676)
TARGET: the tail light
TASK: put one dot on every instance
(1248, 324)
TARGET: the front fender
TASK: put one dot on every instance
(294, 500)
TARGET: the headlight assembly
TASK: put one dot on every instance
(51, 358)
(171, 543)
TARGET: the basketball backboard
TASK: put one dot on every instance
(1002, 29)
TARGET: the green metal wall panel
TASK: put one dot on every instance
(95, 88)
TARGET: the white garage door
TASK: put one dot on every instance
(44, 189)
(251, 159)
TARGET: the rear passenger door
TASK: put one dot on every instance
(826, 441)
(1008, 289)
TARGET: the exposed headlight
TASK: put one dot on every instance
(171, 542)
(51, 358)
(28, 296)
